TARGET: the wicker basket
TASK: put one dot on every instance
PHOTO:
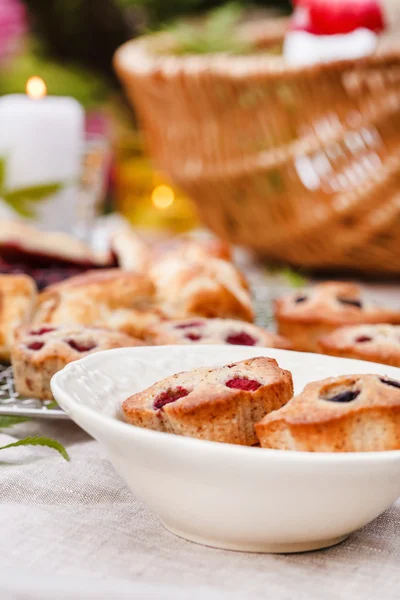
(300, 164)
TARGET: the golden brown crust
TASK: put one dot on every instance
(209, 408)
(207, 287)
(376, 343)
(215, 331)
(17, 303)
(306, 316)
(111, 298)
(40, 352)
(364, 417)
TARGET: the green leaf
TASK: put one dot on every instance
(52, 404)
(19, 206)
(293, 278)
(10, 421)
(2, 172)
(39, 441)
(33, 193)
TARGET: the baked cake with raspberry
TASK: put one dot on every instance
(40, 352)
(17, 303)
(351, 413)
(376, 343)
(215, 331)
(110, 298)
(220, 404)
(306, 316)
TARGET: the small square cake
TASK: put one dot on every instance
(40, 352)
(376, 343)
(215, 331)
(351, 413)
(305, 317)
(17, 304)
(220, 404)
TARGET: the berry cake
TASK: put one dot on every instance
(201, 285)
(39, 352)
(215, 331)
(110, 298)
(219, 404)
(22, 244)
(351, 413)
(17, 303)
(377, 343)
(305, 317)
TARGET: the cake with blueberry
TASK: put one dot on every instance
(17, 303)
(220, 404)
(215, 331)
(351, 413)
(201, 285)
(40, 352)
(110, 298)
(305, 317)
(376, 343)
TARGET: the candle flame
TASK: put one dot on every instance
(36, 88)
(162, 197)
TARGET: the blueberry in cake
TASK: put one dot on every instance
(305, 317)
(351, 413)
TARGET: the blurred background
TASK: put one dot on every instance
(304, 167)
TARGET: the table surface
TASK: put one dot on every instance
(74, 530)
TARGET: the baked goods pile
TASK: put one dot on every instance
(309, 318)
(251, 402)
(144, 302)
(190, 292)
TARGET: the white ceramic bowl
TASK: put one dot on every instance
(223, 495)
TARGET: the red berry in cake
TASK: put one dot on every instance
(41, 330)
(241, 339)
(242, 383)
(194, 337)
(170, 395)
(35, 345)
(81, 346)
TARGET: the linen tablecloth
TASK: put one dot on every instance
(74, 531)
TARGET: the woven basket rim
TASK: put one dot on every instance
(136, 57)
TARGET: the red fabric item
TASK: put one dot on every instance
(329, 17)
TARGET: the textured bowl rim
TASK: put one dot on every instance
(126, 429)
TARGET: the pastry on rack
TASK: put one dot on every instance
(351, 413)
(17, 303)
(109, 298)
(40, 352)
(201, 285)
(215, 331)
(46, 256)
(376, 343)
(220, 404)
(306, 316)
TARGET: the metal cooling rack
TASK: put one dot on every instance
(264, 288)
(14, 405)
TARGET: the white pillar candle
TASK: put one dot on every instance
(41, 143)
